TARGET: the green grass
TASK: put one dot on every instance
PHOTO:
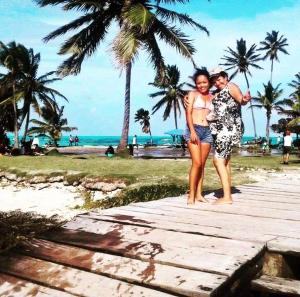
(132, 171)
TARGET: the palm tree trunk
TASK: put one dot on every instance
(268, 127)
(26, 125)
(272, 61)
(175, 115)
(251, 107)
(16, 130)
(124, 138)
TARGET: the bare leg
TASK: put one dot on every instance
(204, 151)
(287, 158)
(223, 169)
(195, 171)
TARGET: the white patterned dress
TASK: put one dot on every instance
(227, 128)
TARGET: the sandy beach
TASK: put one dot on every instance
(55, 200)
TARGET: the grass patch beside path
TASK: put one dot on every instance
(146, 179)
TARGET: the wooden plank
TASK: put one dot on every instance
(189, 258)
(214, 224)
(70, 280)
(277, 285)
(240, 210)
(285, 245)
(253, 211)
(171, 279)
(291, 190)
(277, 205)
(209, 227)
(170, 238)
(16, 287)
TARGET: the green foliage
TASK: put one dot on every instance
(241, 59)
(141, 24)
(17, 226)
(272, 45)
(137, 194)
(171, 92)
(53, 125)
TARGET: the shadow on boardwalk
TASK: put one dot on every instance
(161, 248)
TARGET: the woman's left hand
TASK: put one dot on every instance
(246, 97)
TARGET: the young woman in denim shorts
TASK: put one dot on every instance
(197, 135)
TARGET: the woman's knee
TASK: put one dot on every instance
(197, 163)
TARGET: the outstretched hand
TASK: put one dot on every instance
(246, 97)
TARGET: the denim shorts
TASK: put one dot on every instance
(203, 133)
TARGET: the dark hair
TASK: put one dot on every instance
(222, 73)
(199, 72)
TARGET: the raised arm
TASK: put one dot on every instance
(236, 93)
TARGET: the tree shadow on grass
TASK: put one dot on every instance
(17, 226)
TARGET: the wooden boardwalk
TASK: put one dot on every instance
(160, 248)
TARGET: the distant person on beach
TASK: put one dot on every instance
(110, 152)
(76, 140)
(135, 142)
(197, 134)
(287, 147)
(226, 126)
(71, 140)
(35, 142)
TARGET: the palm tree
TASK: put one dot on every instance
(12, 57)
(143, 117)
(293, 110)
(33, 89)
(171, 92)
(295, 83)
(269, 100)
(6, 111)
(272, 45)
(141, 23)
(240, 61)
(53, 125)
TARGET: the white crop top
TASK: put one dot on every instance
(199, 103)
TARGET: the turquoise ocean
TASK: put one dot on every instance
(104, 141)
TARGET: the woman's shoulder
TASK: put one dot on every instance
(193, 94)
(232, 86)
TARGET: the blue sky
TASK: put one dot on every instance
(96, 95)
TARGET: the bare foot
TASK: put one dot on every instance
(222, 201)
(201, 199)
(190, 201)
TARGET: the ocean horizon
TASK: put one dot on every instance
(104, 141)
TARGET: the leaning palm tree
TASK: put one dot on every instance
(34, 89)
(141, 23)
(12, 57)
(53, 125)
(142, 116)
(269, 100)
(272, 45)
(240, 61)
(171, 93)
